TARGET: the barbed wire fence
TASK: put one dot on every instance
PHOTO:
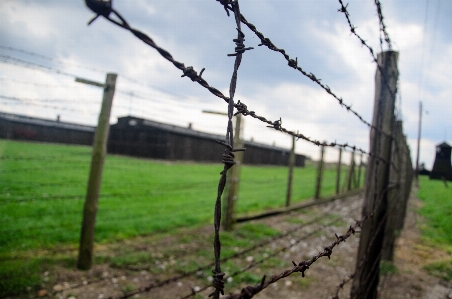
(377, 184)
(398, 167)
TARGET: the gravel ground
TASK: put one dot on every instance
(171, 255)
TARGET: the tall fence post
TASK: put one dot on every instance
(290, 178)
(401, 176)
(234, 178)
(338, 175)
(85, 255)
(318, 185)
(367, 270)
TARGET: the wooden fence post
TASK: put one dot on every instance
(318, 185)
(338, 175)
(351, 172)
(359, 170)
(234, 178)
(397, 180)
(290, 178)
(85, 255)
(398, 197)
(407, 170)
(367, 269)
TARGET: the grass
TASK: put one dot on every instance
(42, 191)
(437, 230)
(387, 268)
(441, 269)
(437, 211)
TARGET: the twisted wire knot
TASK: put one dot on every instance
(192, 74)
(340, 238)
(249, 291)
(241, 109)
(293, 63)
(276, 125)
(218, 282)
(240, 47)
(303, 267)
(328, 251)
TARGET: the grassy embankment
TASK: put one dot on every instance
(437, 229)
(42, 189)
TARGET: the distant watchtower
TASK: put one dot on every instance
(442, 167)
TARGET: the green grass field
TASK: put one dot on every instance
(437, 210)
(42, 191)
(437, 229)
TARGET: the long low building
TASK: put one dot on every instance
(142, 138)
(20, 127)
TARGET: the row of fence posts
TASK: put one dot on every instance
(388, 183)
(389, 175)
(352, 181)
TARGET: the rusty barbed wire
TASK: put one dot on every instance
(248, 292)
(233, 256)
(228, 155)
(344, 10)
(382, 24)
(240, 106)
(105, 9)
(273, 254)
(364, 258)
(293, 63)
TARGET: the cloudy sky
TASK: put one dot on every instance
(200, 34)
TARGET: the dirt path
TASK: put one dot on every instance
(151, 261)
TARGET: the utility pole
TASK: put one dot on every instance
(85, 255)
(290, 179)
(416, 173)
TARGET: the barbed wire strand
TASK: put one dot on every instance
(228, 156)
(233, 256)
(271, 255)
(193, 75)
(249, 291)
(60, 61)
(364, 258)
(382, 24)
(344, 10)
(293, 63)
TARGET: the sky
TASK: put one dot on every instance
(44, 45)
